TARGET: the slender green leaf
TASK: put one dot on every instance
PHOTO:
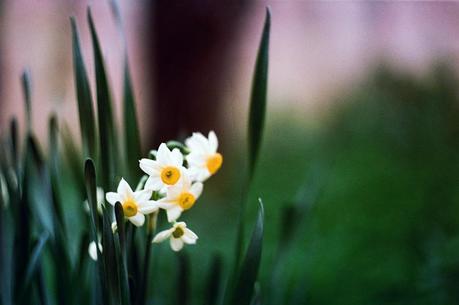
(14, 141)
(255, 127)
(124, 280)
(35, 259)
(84, 97)
(54, 169)
(73, 159)
(131, 129)
(258, 95)
(43, 293)
(244, 286)
(91, 190)
(6, 252)
(27, 89)
(39, 187)
(90, 184)
(110, 259)
(214, 281)
(107, 134)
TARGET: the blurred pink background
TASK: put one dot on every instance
(318, 51)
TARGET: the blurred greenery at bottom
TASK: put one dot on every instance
(371, 189)
(384, 221)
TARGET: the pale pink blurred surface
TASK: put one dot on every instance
(319, 50)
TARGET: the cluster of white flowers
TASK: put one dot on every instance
(175, 182)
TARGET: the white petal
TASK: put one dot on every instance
(202, 140)
(148, 207)
(199, 173)
(142, 196)
(173, 192)
(173, 213)
(124, 190)
(213, 141)
(177, 157)
(176, 244)
(185, 180)
(164, 155)
(138, 219)
(166, 203)
(194, 145)
(189, 236)
(114, 227)
(163, 235)
(195, 159)
(196, 189)
(92, 250)
(100, 195)
(153, 184)
(113, 198)
(149, 166)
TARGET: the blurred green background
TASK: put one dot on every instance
(375, 186)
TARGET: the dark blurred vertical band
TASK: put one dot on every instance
(192, 43)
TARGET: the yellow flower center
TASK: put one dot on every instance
(186, 200)
(178, 232)
(170, 175)
(130, 207)
(214, 163)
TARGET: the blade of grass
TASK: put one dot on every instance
(27, 89)
(14, 142)
(6, 252)
(131, 129)
(107, 134)
(214, 278)
(244, 286)
(90, 184)
(54, 170)
(84, 97)
(35, 260)
(39, 187)
(255, 128)
(130, 125)
(124, 280)
(73, 159)
(258, 96)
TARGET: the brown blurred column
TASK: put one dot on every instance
(192, 42)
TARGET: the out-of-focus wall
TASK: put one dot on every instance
(37, 35)
(318, 50)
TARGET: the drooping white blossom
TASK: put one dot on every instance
(178, 235)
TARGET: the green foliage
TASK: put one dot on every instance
(258, 95)
(45, 231)
(107, 132)
(248, 273)
(84, 98)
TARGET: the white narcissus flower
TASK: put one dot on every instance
(165, 171)
(179, 235)
(180, 197)
(92, 250)
(135, 204)
(203, 159)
